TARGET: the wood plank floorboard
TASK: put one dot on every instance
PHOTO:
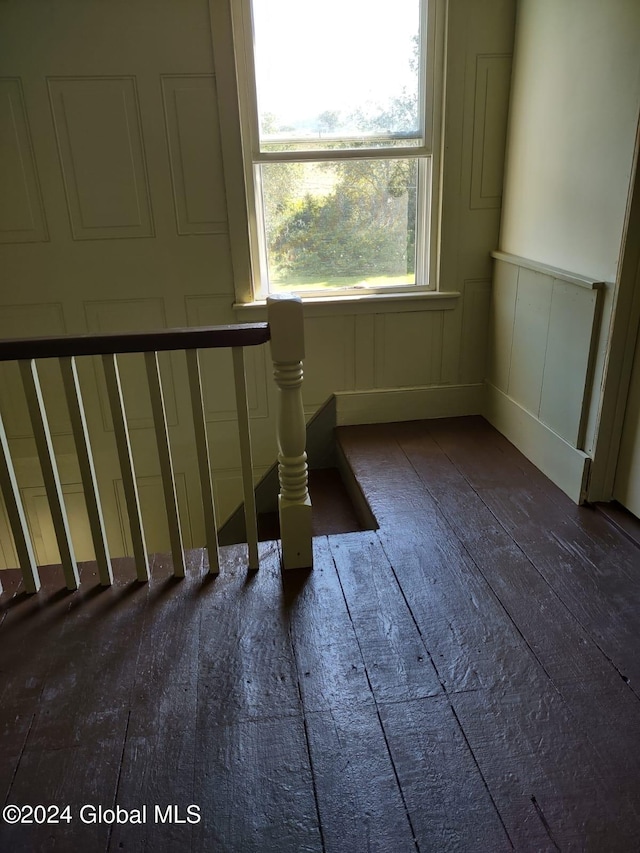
(331, 671)
(160, 746)
(256, 789)
(252, 766)
(465, 678)
(450, 805)
(246, 663)
(30, 631)
(70, 650)
(397, 662)
(360, 803)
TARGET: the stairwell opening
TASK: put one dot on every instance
(338, 503)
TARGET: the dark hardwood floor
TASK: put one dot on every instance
(465, 678)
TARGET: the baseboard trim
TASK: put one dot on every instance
(563, 464)
(385, 405)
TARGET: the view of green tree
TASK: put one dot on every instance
(280, 186)
(364, 226)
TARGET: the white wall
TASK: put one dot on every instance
(574, 111)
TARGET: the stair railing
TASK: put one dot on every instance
(285, 331)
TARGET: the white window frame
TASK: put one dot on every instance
(433, 13)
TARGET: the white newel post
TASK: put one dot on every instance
(286, 324)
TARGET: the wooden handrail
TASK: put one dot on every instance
(161, 340)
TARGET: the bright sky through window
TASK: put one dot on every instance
(324, 67)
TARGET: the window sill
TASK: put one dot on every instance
(370, 303)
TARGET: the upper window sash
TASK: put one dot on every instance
(348, 139)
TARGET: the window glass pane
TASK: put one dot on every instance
(349, 223)
(340, 69)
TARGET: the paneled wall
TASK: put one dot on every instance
(115, 215)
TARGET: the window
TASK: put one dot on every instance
(338, 109)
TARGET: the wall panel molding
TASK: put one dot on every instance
(101, 151)
(572, 323)
(364, 350)
(530, 339)
(195, 153)
(22, 216)
(503, 309)
(491, 105)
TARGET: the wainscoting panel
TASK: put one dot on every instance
(530, 330)
(569, 342)
(329, 364)
(193, 138)
(545, 327)
(364, 350)
(387, 405)
(102, 156)
(408, 349)
(22, 218)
